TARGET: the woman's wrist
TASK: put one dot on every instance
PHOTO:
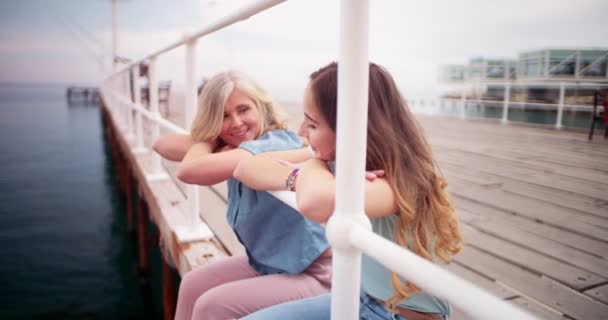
(290, 182)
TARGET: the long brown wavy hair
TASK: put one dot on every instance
(427, 223)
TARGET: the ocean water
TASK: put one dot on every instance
(66, 253)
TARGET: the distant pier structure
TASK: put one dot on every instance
(549, 77)
(81, 95)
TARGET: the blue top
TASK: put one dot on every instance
(375, 278)
(277, 238)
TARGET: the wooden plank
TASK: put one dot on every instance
(531, 158)
(522, 206)
(575, 202)
(538, 310)
(520, 151)
(529, 175)
(541, 289)
(213, 212)
(571, 276)
(543, 246)
(487, 284)
(599, 293)
(473, 132)
(580, 242)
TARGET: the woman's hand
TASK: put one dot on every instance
(374, 174)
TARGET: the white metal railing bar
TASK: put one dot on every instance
(556, 82)
(560, 109)
(511, 102)
(505, 105)
(433, 279)
(153, 102)
(139, 143)
(196, 229)
(425, 274)
(353, 83)
(192, 230)
(237, 15)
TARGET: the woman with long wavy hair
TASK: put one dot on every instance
(407, 204)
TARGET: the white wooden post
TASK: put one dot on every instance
(114, 36)
(463, 104)
(560, 108)
(127, 107)
(353, 82)
(190, 111)
(505, 103)
(157, 170)
(577, 64)
(196, 229)
(139, 134)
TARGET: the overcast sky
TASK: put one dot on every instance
(68, 41)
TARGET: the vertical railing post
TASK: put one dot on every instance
(560, 107)
(190, 111)
(126, 107)
(114, 36)
(139, 134)
(353, 82)
(196, 229)
(463, 104)
(505, 103)
(153, 100)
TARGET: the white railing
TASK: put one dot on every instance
(348, 230)
(195, 229)
(460, 106)
(464, 108)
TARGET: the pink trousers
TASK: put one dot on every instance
(230, 289)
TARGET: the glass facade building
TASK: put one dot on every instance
(563, 64)
(545, 64)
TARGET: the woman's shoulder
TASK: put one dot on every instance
(280, 134)
(274, 140)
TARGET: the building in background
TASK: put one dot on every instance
(537, 77)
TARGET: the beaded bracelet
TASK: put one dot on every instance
(290, 182)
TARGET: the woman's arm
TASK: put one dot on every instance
(173, 146)
(315, 193)
(203, 167)
(265, 172)
(315, 186)
(262, 172)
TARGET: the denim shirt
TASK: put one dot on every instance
(277, 238)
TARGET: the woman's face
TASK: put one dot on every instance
(321, 137)
(241, 119)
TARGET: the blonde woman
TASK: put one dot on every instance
(407, 204)
(288, 256)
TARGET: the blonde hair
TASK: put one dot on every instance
(207, 124)
(427, 223)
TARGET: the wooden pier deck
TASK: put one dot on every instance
(533, 205)
(534, 210)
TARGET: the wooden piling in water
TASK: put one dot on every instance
(129, 198)
(142, 225)
(169, 292)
